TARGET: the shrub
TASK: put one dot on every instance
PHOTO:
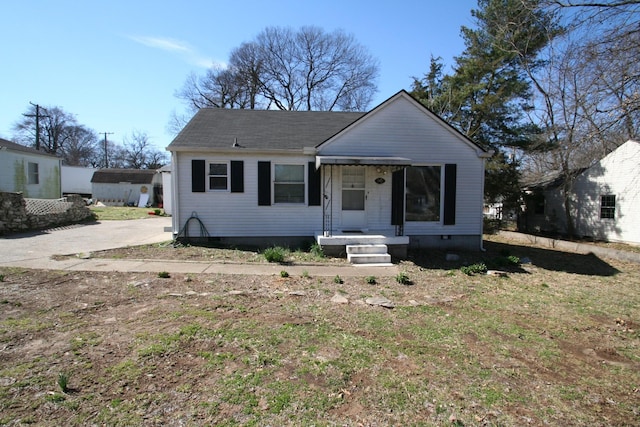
(274, 254)
(513, 260)
(284, 274)
(370, 280)
(402, 278)
(472, 269)
(164, 275)
(338, 280)
(316, 250)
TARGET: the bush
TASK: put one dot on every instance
(472, 269)
(402, 278)
(274, 254)
(338, 280)
(164, 275)
(370, 280)
(284, 274)
(316, 250)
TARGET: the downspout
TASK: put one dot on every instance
(175, 216)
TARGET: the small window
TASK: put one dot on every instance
(33, 173)
(608, 206)
(288, 184)
(218, 176)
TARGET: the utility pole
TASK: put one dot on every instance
(106, 157)
(37, 115)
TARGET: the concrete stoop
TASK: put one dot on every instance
(369, 255)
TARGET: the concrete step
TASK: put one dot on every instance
(367, 249)
(369, 258)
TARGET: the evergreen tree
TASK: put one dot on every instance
(488, 95)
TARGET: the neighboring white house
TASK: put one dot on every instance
(397, 175)
(128, 187)
(605, 199)
(77, 180)
(165, 172)
(33, 173)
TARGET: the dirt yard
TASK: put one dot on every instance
(555, 342)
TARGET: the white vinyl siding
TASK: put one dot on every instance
(402, 129)
(227, 214)
(616, 174)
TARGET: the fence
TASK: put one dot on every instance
(47, 206)
(20, 214)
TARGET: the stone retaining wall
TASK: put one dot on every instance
(15, 218)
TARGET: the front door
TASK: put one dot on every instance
(354, 196)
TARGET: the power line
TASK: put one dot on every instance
(37, 115)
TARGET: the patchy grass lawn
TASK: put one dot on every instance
(110, 213)
(556, 342)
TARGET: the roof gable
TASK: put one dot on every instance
(115, 176)
(226, 129)
(412, 115)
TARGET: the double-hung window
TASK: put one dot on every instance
(288, 184)
(218, 176)
(34, 175)
(608, 206)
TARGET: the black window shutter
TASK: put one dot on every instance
(450, 194)
(315, 185)
(264, 183)
(198, 176)
(397, 198)
(237, 176)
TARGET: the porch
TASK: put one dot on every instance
(338, 242)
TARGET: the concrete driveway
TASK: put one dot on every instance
(36, 248)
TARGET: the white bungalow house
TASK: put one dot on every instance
(605, 200)
(397, 176)
(26, 170)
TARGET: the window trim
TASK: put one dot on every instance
(440, 219)
(609, 207)
(209, 175)
(304, 183)
(33, 177)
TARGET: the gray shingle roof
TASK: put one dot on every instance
(114, 176)
(218, 128)
(17, 147)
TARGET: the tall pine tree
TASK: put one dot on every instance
(488, 94)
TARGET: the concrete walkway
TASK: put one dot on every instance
(35, 249)
(581, 248)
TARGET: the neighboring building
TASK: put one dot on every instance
(28, 171)
(165, 172)
(126, 187)
(397, 175)
(77, 180)
(605, 200)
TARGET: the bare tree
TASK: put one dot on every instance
(587, 93)
(81, 146)
(140, 154)
(53, 126)
(307, 69)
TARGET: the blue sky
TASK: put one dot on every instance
(116, 64)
